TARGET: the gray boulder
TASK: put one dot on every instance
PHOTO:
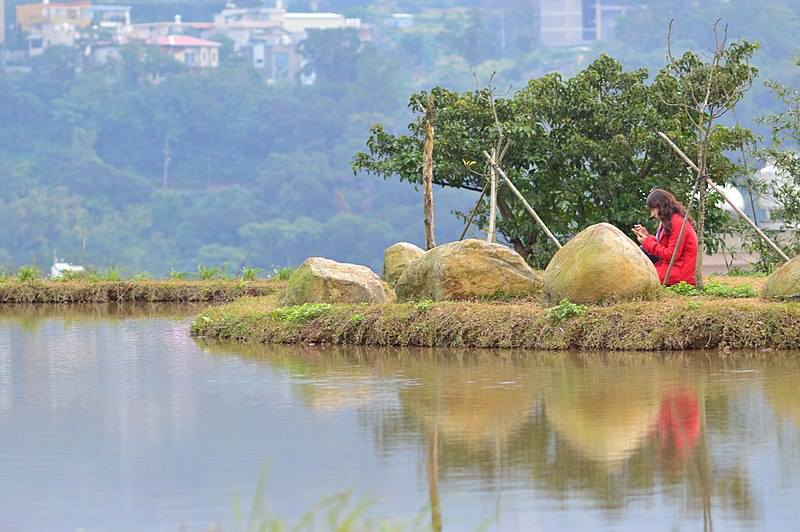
(396, 259)
(465, 270)
(599, 262)
(784, 283)
(320, 280)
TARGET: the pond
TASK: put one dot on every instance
(113, 418)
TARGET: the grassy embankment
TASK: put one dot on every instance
(729, 315)
(39, 290)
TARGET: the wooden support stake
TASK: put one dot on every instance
(713, 185)
(427, 173)
(522, 199)
(490, 234)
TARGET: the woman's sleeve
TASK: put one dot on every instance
(664, 251)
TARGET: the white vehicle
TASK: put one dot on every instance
(60, 267)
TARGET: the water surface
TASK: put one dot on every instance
(113, 418)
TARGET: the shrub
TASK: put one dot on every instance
(300, 312)
(565, 310)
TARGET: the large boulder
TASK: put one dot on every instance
(465, 270)
(599, 262)
(320, 280)
(396, 259)
(784, 283)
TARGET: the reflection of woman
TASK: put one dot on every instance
(678, 423)
(661, 246)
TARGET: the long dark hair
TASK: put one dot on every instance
(667, 206)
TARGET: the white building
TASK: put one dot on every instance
(575, 22)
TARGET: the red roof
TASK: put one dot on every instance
(183, 41)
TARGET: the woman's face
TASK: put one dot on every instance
(654, 212)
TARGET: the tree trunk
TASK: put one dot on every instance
(427, 173)
(702, 187)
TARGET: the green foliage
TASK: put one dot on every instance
(596, 131)
(565, 310)
(714, 289)
(718, 289)
(141, 276)
(214, 272)
(176, 275)
(423, 305)
(249, 274)
(27, 273)
(283, 272)
(683, 289)
(693, 305)
(109, 274)
(357, 318)
(302, 312)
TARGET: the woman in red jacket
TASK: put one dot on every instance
(671, 213)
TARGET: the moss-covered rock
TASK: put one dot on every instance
(465, 270)
(396, 259)
(320, 280)
(598, 263)
(784, 283)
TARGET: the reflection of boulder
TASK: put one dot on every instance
(784, 283)
(470, 404)
(396, 259)
(607, 419)
(599, 262)
(467, 269)
(783, 392)
(320, 280)
(332, 393)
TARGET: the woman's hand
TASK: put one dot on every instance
(640, 232)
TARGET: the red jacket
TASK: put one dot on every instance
(685, 261)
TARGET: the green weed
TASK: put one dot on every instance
(283, 272)
(248, 274)
(110, 274)
(683, 289)
(356, 318)
(27, 273)
(693, 305)
(424, 305)
(718, 289)
(565, 310)
(302, 312)
(178, 276)
(141, 276)
(214, 272)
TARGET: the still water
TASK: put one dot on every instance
(113, 418)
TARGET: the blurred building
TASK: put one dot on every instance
(575, 22)
(193, 52)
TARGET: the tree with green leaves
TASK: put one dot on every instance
(783, 189)
(331, 54)
(703, 90)
(583, 150)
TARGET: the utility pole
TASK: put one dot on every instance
(167, 158)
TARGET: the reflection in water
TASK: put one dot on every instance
(116, 420)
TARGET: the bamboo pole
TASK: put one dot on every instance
(522, 199)
(680, 234)
(490, 234)
(427, 173)
(716, 187)
(472, 214)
